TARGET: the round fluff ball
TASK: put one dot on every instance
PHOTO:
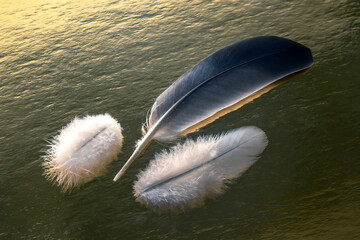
(82, 150)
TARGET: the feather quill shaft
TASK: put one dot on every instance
(221, 81)
(188, 173)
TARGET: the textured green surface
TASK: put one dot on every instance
(59, 59)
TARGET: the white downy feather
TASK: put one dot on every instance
(188, 173)
(82, 150)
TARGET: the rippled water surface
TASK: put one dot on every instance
(60, 59)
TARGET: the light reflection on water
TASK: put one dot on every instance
(59, 59)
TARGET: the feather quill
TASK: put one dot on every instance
(220, 83)
(187, 174)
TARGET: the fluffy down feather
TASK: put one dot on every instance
(82, 150)
(188, 173)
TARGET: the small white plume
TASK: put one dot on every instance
(187, 174)
(82, 150)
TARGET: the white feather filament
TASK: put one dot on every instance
(188, 173)
(82, 150)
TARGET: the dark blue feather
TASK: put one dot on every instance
(225, 78)
(219, 82)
